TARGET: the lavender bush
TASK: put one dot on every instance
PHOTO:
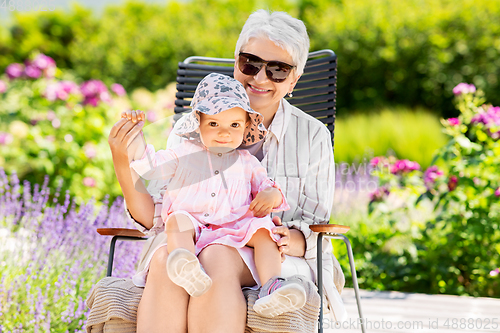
(51, 256)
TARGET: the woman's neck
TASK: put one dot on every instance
(268, 114)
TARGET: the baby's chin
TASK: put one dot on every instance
(220, 149)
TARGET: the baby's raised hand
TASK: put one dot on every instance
(133, 115)
(265, 201)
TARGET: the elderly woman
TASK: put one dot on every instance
(270, 55)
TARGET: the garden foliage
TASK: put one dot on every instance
(399, 52)
(55, 124)
(438, 230)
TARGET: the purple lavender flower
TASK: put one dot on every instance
(464, 88)
(453, 121)
(3, 87)
(118, 89)
(14, 71)
(63, 239)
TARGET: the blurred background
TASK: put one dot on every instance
(67, 74)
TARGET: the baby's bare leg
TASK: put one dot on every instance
(267, 255)
(180, 233)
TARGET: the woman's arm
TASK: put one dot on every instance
(140, 205)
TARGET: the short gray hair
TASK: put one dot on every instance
(285, 31)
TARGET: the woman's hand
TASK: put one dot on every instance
(292, 241)
(284, 232)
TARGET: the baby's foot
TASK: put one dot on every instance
(278, 296)
(185, 270)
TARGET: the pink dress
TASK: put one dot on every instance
(213, 189)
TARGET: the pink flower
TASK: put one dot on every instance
(118, 89)
(404, 166)
(14, 71)
(452, 183)
(65, 89)
(51, 115)
(497, 192)
(43, 62)
(5, 138)
(375, 161)
(94, 101)
(60, 90)
(464, 88)
(495, 272)
(56, 123)
(94, 91)
(431, 174)
(151, 116)
(490, 118)
(89, 182)
(379, 194)
(89, 150)
(453, 121)
(32, 72)
(3, 87)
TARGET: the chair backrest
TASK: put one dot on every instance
(315, 92)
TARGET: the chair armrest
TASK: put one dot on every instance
(330, 228)
(120, 232)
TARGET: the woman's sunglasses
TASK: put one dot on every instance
(276, 71)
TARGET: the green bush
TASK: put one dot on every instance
(408, 52)
(390, 52)
(438, 231)
(48, 128)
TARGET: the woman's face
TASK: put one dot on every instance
(265, 94)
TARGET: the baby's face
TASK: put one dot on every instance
(224, 129)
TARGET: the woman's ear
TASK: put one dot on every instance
(294, 82)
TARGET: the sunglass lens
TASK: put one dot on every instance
(248, 65)
(278, 72)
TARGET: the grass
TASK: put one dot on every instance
(408, 134)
